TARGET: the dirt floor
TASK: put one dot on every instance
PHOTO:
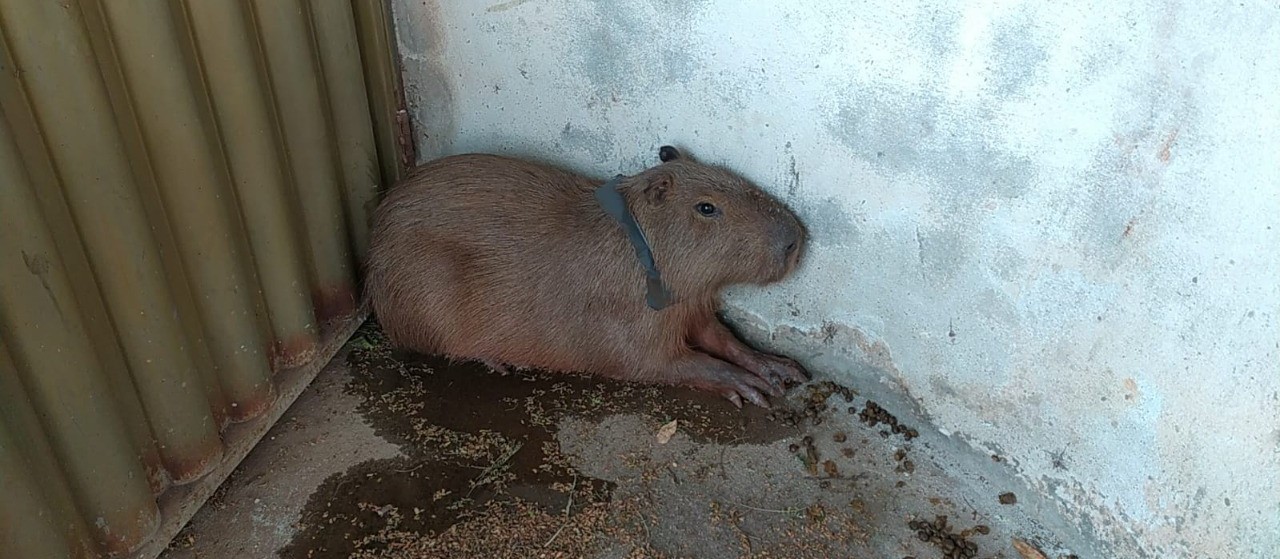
(391, 455)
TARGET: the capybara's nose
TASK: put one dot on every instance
(789, 238)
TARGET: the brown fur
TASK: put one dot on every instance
(507, 261)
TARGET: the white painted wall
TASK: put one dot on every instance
(1053, 228)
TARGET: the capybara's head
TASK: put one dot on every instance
(710, 228)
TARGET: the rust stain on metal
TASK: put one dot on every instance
(195, 465)
(292, 352)
(334, 302)
(246, 410)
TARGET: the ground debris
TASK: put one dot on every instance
(873, 415)
(953, 545)
(667, 431)
(514, 530)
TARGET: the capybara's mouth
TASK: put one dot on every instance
(782, 269)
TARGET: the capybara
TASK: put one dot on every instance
(510, 262)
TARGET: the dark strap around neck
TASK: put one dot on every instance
(609, 198)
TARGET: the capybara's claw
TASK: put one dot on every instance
(776, 386)
(735, 399)
(780, 372)
(749, 387)
(750, 394)
(734, 385)
(791, 371)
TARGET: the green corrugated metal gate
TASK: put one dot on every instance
(184, 194)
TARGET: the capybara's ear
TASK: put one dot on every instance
(668, 153)
(659, 187)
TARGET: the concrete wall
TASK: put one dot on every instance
(1050, 228)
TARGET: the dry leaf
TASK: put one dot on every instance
(667, 431)
(810, 458)
(830, 468)
(1026, 550)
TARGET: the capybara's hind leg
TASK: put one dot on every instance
(704, 372)
(715, 338)
(424, 289)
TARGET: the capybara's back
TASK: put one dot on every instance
(462, 249)
(513, 262)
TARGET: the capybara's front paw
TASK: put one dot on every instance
(737, 385)
(779, 372)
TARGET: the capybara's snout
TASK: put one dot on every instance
(787, 237)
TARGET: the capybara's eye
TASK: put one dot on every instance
(707, 209)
